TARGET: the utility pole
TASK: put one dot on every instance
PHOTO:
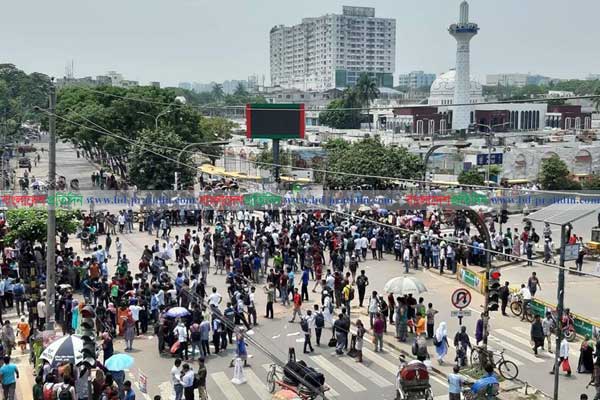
(51, 233)
(560, 303)
(276, 162)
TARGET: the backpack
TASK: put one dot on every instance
(63, 393)
(351, 294)
(48, 393)
(196, 336)
(536, 237)
(196, 383)
(505, 242)
(304, 325)
(18, 289)
(319, 320)
(246, 298)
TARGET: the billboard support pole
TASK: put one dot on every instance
(276, 161)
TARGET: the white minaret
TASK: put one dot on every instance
(463, 32)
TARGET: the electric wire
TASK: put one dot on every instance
(339, 212)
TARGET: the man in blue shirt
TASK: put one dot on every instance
(9, 374)
(487, 385)
(455, 383)
(305, 277)
(128, 390)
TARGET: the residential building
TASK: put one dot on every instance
(155, 84)
(416, 80)
(333, 50)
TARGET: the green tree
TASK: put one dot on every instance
(31, 223)
(266, 156)
(592, 183)
(217, 91)
(367, 91)
(368, 157)
(554, 175)
(93, 119)
(240, 90)
(153, 161)
(343, 113)
(471, 177)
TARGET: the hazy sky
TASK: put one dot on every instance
(201, 40)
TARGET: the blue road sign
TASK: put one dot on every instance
(495, 159)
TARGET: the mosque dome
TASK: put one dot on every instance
(442, 89)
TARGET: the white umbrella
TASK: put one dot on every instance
(66, 349)
(402, 285)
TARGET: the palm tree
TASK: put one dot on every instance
(351, 100)
(367, 91)
(240, 90)
(217, 91)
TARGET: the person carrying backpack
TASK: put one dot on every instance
(319, 323)
(65, 391)
(305, 325)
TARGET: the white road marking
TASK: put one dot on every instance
(338, 374)
(276, 337)
(256, 384)
(226, 387)
(528, 356)
(382, 362)
(293, 334)
(525, 331)
(301, 340)
(366, 372)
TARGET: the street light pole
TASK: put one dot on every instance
(490, 134)
(51, 231)
(560, 303)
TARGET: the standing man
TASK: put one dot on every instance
(297, 305)
(362, 282)
(406, 258)
(548, 326)
(526, 295)
(181, 334)
(305, 324)
(305, 277)
(537, 334)
(373, 307)
(319, 323)
(534, 284)
(504, 294)
(187, 381)
(201, 375)
(9, 374)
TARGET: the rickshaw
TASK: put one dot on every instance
(412, 382)
(295, 375)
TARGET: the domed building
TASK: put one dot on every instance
(442, 90)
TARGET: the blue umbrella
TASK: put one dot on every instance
(177, 312)
(119, 362)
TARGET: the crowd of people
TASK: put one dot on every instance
(290, 256)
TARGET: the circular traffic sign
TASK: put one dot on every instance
(461, 298)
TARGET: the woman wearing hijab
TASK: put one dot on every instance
(586, 357)
(441, 342)
(75, 316)
(107, 346)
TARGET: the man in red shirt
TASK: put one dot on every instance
(378, 328)
(297, 305)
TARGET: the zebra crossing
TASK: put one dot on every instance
(516, 341)
(347, 379)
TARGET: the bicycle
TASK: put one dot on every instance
(302, 392)
(506, 368)
(516, 306)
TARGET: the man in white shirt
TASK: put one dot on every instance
(135, 315)
(41, 312)
(364, 244)
(176, 379)
(406, 258)
(181, 334)
(215, 298)
(188, 382)
(373, 307)
(526, 294)
(564, 357)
